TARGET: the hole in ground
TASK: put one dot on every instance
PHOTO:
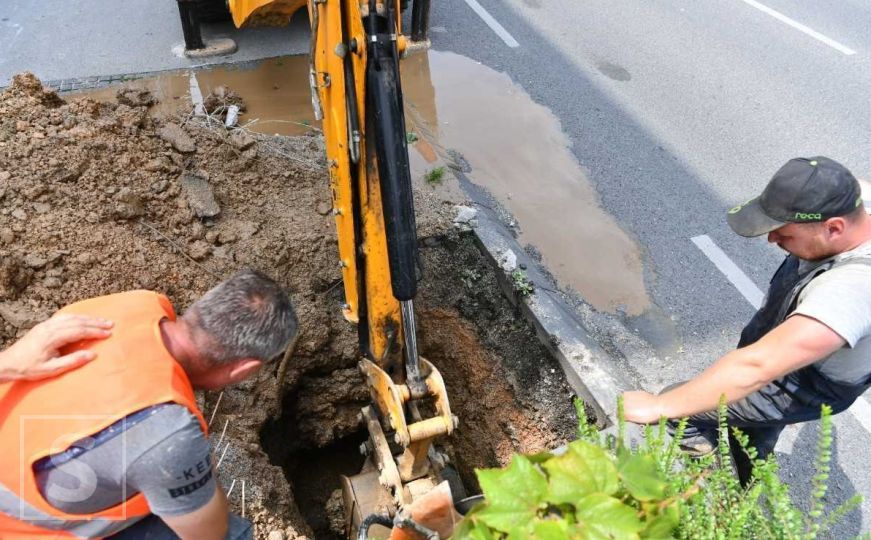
(509, 393)
(315, 474)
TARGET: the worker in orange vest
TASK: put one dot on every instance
(118, 447)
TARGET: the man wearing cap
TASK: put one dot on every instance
(810, 342)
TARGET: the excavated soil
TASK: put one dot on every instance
(100, 197)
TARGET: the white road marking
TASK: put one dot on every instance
(493, 23)
(800, 27)
(735, 275)
(860, 409)
(787, 439)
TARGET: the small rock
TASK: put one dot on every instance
(465, 214)
(241, 139)
(69, 122)
(199, 250)
(323, 208)
(159, 186)
(92, 217)
(19, 214)
(276, 535)
(227, 237)
(5, 175)
(212, 237)
(198, 230)
(247, 229)
(41, 208)
(156, 165)
(32, 260)
(86, 258)
(508, 260)
(7, 236)
(21, 125)
(129, 204)
(178, 138)
(200, 196)
(250, 154)
(19, 315)
(52, 283)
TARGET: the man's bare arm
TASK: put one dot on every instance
(797, 342)
(208, 522)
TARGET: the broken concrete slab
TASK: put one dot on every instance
(178, 138)
(200, 196)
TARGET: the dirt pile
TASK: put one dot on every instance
(100, 197)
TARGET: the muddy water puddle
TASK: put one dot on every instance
(516, 149)
(275, 92)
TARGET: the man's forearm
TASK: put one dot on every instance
(735, 375)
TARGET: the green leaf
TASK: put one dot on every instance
(470, 528)
(601, 517)
(582, 470)
(663, 524)
(551, 530)
(641, 476)
(514, 494)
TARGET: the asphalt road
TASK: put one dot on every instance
(676, 111)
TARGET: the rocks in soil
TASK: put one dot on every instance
(178, 138)
(135, 97)
(241, 139)
(200, 196)
(20, 316)
(128, 204)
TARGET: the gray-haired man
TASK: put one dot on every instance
(143, 467)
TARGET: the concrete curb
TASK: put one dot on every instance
(593, 375)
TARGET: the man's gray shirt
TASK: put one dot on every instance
(841, 299)
(165, 456)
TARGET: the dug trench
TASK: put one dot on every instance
(98, 197)
(509, 394)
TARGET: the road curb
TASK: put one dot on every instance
(592, 374)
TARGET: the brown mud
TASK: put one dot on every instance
(103, 196)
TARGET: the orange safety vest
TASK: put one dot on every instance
(132, 371)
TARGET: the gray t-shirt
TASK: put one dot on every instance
(164, 455)
(840, 298)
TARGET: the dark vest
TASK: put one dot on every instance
(807, 384)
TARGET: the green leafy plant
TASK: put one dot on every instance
(521, 283)
(434, 176)
(603, 488)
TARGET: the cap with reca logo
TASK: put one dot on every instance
(805, 190)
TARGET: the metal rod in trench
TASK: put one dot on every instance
(416, 385)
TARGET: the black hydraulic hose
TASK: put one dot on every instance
(384, 100)
(372, 519)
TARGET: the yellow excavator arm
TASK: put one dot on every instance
(356, 92)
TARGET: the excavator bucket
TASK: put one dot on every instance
(248, 13)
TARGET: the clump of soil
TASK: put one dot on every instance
(100, 197)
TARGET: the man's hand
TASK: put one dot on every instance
(37, 354)
(642, 407)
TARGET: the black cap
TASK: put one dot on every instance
(805, 190)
